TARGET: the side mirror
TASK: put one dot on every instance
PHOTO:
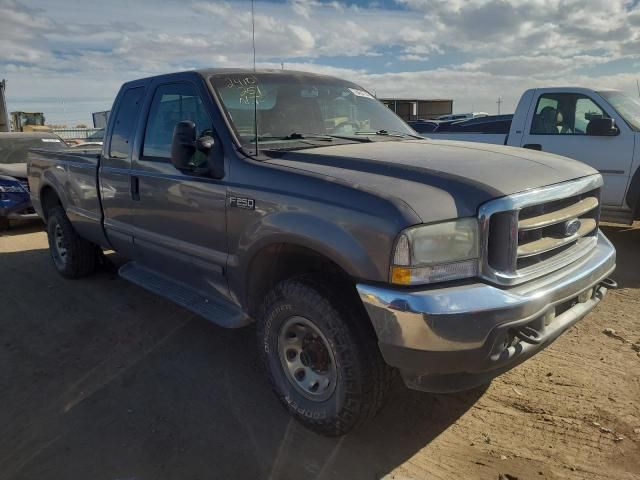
(214, 166)
(189, 153)
(602, 127)
(183, 144)
(205, 144)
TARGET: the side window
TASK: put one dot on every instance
(564, 114)
(172, 104)
(586, 110)
(545, 117)
(125, 122)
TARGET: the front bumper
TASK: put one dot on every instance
(457, 337)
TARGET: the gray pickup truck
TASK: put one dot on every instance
(360, 249)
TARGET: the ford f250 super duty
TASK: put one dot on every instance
(360, 249)
(600, 128)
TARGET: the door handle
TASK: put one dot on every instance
(135, 188)
(533, 146)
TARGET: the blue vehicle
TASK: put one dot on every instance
(15, 203)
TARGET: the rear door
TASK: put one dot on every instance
(558, 124)
(115, 169)
(180, 223)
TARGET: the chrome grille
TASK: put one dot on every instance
(532, 233)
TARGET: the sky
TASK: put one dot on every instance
(68, 58)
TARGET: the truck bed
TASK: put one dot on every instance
(75, 172)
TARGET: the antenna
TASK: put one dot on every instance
(255, 91)
(253, 35)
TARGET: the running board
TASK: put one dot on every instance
(213, 309)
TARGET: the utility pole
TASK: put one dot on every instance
(499, 102)
(64, 112)
(4, 116)
(638, 85)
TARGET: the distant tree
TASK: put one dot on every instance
(81, 125)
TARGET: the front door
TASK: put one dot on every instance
(559, 125)
(180, 225)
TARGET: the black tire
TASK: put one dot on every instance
(4, 224)
(73, 256)
(362, 379)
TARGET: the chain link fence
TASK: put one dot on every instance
(78, 133)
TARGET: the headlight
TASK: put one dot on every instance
(436, 253)
(11, 186)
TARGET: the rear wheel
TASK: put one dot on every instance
(321, 356)
(72, 255)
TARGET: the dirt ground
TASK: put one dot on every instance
(101, 380)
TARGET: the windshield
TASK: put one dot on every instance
(294, 106)
(628, 107)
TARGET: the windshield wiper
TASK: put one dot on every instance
(298, 136)
(390, 133)
(314, 136)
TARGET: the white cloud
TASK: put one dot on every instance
(542, 66)
(480, 48)
(412, 57)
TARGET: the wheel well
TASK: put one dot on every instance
(633, 195)
(48, 199)
(279, 262)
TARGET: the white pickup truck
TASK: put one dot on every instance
(598, 127)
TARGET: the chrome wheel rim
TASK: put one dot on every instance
(307, 359)
(59, 251)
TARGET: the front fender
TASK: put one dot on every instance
(360, 246)
(339, 243)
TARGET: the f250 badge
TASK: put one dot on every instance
(242, 202)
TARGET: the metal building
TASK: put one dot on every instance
(419, 109)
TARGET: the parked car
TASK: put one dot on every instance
(583, 124)
(15, 203)
(359, 248)
(493, 124)
(461, 116)
(423, 126)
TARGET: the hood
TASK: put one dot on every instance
(18, 170)
(438, 179)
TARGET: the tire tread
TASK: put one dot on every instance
(83, 254)
(331, 296)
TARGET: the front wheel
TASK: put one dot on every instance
(72, 255)
(321, 356)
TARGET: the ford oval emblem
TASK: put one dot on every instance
(571, 227)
